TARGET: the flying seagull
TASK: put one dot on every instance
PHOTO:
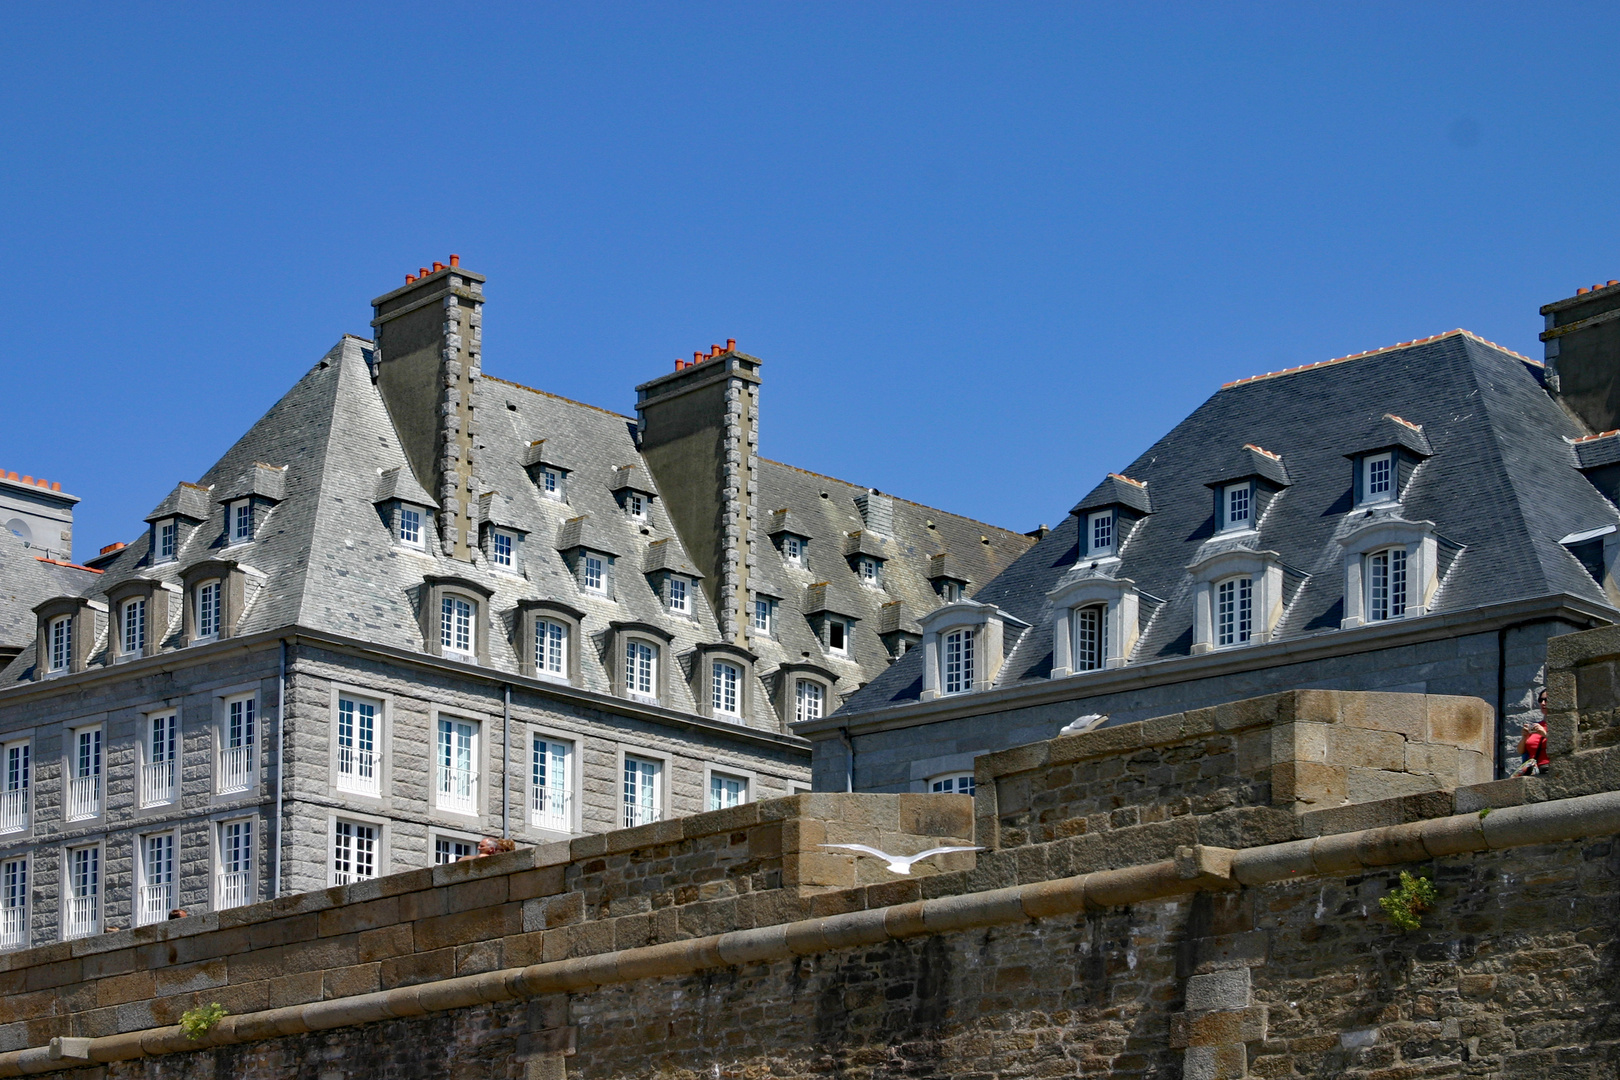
(900, 864)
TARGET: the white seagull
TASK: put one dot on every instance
(900, 864)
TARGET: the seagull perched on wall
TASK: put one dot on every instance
(900, 864)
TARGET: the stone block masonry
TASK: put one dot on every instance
(725, 944)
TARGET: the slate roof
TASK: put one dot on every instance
(26, 580)
(1501, 487)
(324, 557)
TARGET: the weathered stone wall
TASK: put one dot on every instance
(1224, 941)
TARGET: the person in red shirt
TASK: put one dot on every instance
(1533, 744)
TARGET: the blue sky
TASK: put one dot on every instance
(988, 252)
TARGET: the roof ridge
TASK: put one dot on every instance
(1459, 332)
(557, 397)
(896, 498)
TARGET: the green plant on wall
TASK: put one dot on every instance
(1406, 903)
(200, 1021)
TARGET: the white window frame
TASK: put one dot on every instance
(452, 841)
(763, 618)
(132, 628)
(1234, 496)
(870, 571)
(357, 754)
(86, 771)
(236, 761)
(1101, 524)
(1234, 611)
(552, 784)
(1090, 637)
(806, 705)
(206, 598)
(83, 874)
(410, 532)
(593, 574)
(452, 625)
(551, 484)
(1388, 580)
(354, 850)
(59, 643)
(641, 669)
(168, 541)
(680, 595)
(16, 785)
(794, 550)
(239, 521)
(957, 660)
(846, 631)
(160, 758)
(234, 884)
(722, 786)
(457, 745)
(950, 590)
(726, 688)
(498, 537)
(14, 903)
(643, 787)
(1391, 489)
(953, 783)
(551, 649)
(1418, 541)
(154, 899)
(635, 504)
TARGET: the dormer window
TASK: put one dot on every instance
(1393, 569)
(1100, 533)
(641, 669)
(950, 591)
(132, 626)
(456, 627)
(551, 484)
(1378, 484)
(594, 575)
(794, 550)
(635, 504)
(764, 615)
(207, 595)
(725, 688)
(240, 514)
(60, 643)
(501, 544)
(870, 571)
(838, 637)
(551, 648)
(1234, 611)
(1386, 584)
(1237, 507)
(679, 600)
(958, 662)
(410, 527)
(168, 540)
(1091, 637)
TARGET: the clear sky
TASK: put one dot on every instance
(988, 252)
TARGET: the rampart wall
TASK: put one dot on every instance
(1197, 934)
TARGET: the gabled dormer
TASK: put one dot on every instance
(175, 519)
(1245, 487)
(67, 630)
(546, 469)
(1385, 459)
(964, 645)
(248, 501)
(633, 489)
(1096, 620)
(1109, 515)
(500, 536)
(590, 553)
(406, 508)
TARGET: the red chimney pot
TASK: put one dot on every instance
(697, 356)
(27, 479)
(731, 344)
(437, 267)
(455, 260)
(1582, 292)
(410, 279)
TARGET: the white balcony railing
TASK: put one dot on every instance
(154, 903)
(235, 889)
(13, 927)
(458, 790)
(84, 797)
(157, 783)
(553, 809)
(236, 772)
(13, 810)
(82, 916)
(357, 770)
(636, 814)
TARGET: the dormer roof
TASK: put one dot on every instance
(582, 532)
(631, 477)
(1116, 489)
(259, 480)
(400, 484)
(829, 598)
(496, 509)
(1390, 432)
(948, 567)
(895, 617)
(542, 452)
(189, 501)
(666, 555)
(1595, 451)
(1251, 462)
(866, 542)
(786, 521)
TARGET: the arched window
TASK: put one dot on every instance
(1091, 637)
(958, 665)
(1234, 611)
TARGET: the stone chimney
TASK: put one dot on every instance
(1583, 354)
(429, 337)
(699, 431)
(877, 512)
